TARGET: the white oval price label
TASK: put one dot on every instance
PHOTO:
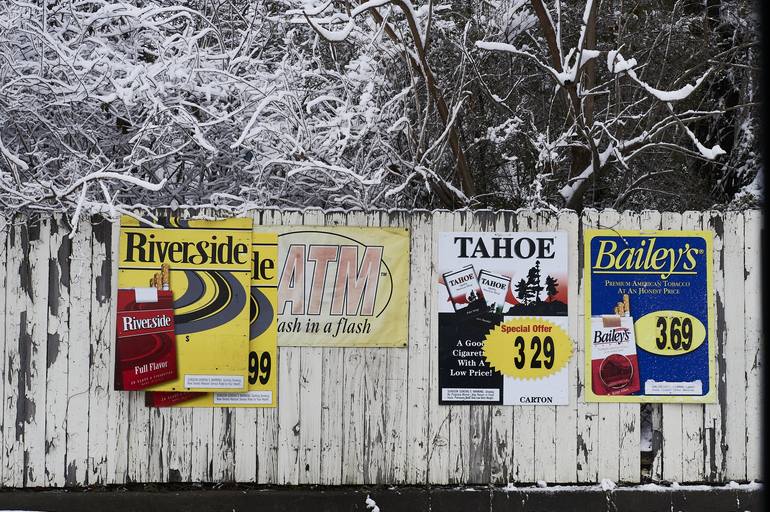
(669, 333)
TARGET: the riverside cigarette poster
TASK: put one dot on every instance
(190, 278)
(502, 318)
(262, 362)
(342, 286)
(649, 316)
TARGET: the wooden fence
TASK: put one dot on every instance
(352, 416)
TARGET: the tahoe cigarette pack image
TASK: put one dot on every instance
(145, 352)
(495, 289)
(464, 290)
(262, 364)
(200, 270)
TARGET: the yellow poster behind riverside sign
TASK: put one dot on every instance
(342, 286)
(262, 357)
(210, 265)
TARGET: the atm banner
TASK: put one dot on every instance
(502, 318)
(649, 316)
(342, 286)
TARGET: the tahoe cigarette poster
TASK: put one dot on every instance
(342, 286)
(502, 318)
(649, 316)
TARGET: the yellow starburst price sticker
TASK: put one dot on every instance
(528, 348)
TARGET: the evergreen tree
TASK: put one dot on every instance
(522, 292)
(551, 284)
(533, 282)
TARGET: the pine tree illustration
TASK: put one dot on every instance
(551, 287)
(522, 292)
(533, 282)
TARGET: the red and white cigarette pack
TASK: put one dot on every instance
(614, 366)
(145, 347)
(464, 290)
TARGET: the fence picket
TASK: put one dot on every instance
(56, 350)
(523, 415)
(419, 351)
(588, 413)
(267, 418)
(502, 416)
(439, 415)
(671, 450)
(545, 415)
(14, 401)
(566, 441)
(289, 411)
(692, 414)
(735, 346)
(395, 396)
(4, 368)
(714, 418)
(609, 413)
(310, 387)
(753, 336)
(81, 278)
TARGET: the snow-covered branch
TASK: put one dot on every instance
(609, 124)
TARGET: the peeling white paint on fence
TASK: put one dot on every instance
(524, 417)
(693, 453)
(352, 415)
(753, 336)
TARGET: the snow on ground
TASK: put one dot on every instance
(608, 485)
(371, 504)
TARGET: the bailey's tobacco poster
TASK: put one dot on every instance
(649, 316)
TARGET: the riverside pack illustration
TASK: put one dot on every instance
(145, 346)
(206, 266)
